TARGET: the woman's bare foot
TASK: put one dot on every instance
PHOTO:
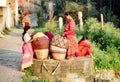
(70, 57)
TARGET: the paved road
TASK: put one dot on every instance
(10, 57)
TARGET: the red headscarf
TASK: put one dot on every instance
(27, 24)
(26, 13)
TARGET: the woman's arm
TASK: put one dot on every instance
(69, 32)
(29, 41)
(27, 38)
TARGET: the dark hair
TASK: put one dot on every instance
(68, 13)
(26, 28)
(83, 38)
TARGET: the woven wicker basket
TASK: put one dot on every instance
(58, 53)
(41, 53)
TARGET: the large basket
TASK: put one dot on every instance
(60, 41)
(41, 53)
(58, 53)
(41, 43)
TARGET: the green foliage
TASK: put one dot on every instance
(50, 26)
(105, 44)
(73, 6)
(59, 7)
(89, 10)
(42, 80)
(40, 17)
(6, 31)
(28, 74)
(109, 15)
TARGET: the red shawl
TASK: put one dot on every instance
(84, 49)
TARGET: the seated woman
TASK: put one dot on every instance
(84, 48)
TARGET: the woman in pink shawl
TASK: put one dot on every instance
(70, 34)
(27, 51)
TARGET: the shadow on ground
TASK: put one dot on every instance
(10, 59)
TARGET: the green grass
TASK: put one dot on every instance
(6, 31)
(28, 74)
(43, 80)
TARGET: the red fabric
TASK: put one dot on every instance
(41, 43)
(27, 55)
(72, 45)
(26, 13)
(84, 49)
(49, 35)
(70, 34)
(70, 27)
(27, 24)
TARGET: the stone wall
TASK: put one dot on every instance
(31, 6)
(77, 70)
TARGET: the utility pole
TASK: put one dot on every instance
(80, 20)
(102, 21)
(60, 24)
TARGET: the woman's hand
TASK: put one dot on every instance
(63, 34)
(33, 39)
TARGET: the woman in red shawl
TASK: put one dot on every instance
(70, 34)
(84, 48)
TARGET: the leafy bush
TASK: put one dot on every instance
(107, 50)
(28, 74)
(40, 17)
(50, 26)
(109, 15)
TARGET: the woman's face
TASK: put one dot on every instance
(67, 16)
(28, 31)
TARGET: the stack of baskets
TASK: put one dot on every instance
(41, 45)
(58, 47)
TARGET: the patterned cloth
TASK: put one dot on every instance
(70, 27)
(27, 57)
(84, 49)
(41, 43)
(70, 34)
(49, 35)
(72, 45)
(60, 41)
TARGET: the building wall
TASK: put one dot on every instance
(1, 19)
(7, 14)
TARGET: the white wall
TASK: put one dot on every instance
(3, 3)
